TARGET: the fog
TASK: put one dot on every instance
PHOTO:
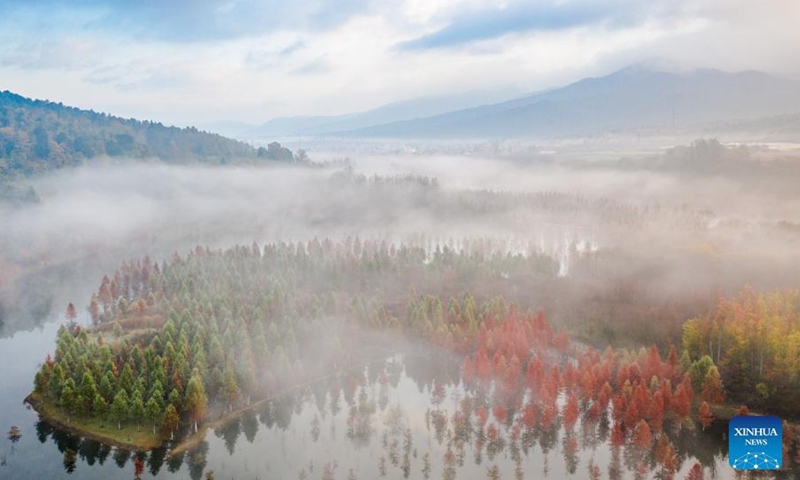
(616, 249)
(664, 232)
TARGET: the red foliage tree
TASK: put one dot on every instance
(71, 314)
(500, 365)
(681, 402)
(642, 398)
(594, 410)
(500, 413)
(104, 294)
(635, 374)
(604, 396)
(571, 376)
(656, 413)
(665, 455)
(529, 415)
(549, 412)
(632, 415)
(666, 394)
(561, 341)
(619, 406)
(652, 366)
(94, 310)
(571, 411)
(467, 371)
(138, 467)
(554, 379)
(481, 415)
(514, 373)
(687, 385)
(623, 375)
(642, 435)
(534, 373)
(696, 472)
(483, 366)
(670, 461)
(704, 415)
(672, 359)
(588, 385)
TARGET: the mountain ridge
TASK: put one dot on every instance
(419, 107)
(634, 97)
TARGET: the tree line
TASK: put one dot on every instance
(37, 136)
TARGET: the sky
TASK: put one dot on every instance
(199, 61)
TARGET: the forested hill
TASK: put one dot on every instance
(37, 135)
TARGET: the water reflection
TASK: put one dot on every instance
(407, 417)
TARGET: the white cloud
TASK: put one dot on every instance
(354, 63)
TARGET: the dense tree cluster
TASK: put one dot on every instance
(550, 206)
(530, 377)
(754, 338)
(217, 327)
(37, 136)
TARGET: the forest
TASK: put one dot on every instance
(182, 342)
(754, 337)
(37, 136)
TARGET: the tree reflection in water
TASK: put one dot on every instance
(412, 415)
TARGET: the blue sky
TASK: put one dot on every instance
(195, 61)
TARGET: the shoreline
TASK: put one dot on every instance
(722, 412)
(43, 409)
(181, 446)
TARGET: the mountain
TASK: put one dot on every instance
(37, 136)
(393, 112)
(636, 98)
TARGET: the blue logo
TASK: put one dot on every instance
(755, 443)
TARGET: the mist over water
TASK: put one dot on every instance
(136, 208)
(664, 243)
(673, 225)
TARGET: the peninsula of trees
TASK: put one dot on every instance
(177, 343)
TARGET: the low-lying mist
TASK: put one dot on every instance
(623, 231)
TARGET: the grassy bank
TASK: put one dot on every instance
(129, 437)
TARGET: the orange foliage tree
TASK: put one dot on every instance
(704, 415)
